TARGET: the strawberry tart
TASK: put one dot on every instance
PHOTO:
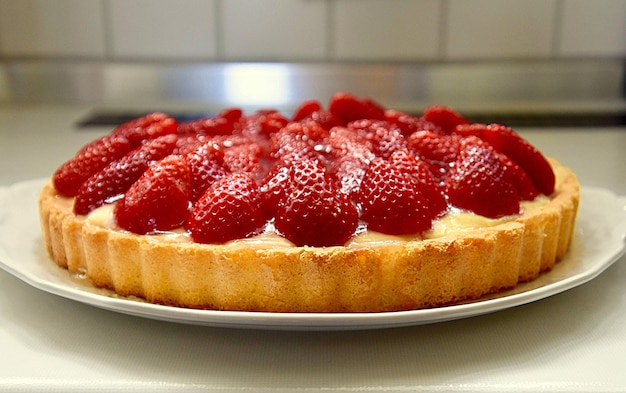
(349, 207)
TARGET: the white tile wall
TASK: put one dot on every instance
(317, 30)
(500, 28)
(391, 29)
(593, 28)
(162, 28)
(274, 29)
(51, 28)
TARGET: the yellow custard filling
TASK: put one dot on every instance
(454, 222)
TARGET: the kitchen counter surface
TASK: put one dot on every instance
(571, 342)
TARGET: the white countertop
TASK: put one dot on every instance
(573, 341)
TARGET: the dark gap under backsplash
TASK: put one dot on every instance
(532, 120)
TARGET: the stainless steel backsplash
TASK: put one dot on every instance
(282, 85)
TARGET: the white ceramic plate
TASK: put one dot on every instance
(599, 241)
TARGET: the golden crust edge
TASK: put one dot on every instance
(414, 275)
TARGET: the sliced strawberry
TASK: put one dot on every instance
(230, 209)
(206, 165)
(392, 201)
(314, 213)
(159, 200)
(508, 142)
(409, 164)
(348, 107)
(147, 127)
(90, 159)
(114, 179)
(444, 117)
(480, 182)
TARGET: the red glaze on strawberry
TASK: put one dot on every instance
(347, 107)
(381, 137)
(244, 158)
(409, 164)
(206, 163)
(480, 182)
(444, 117)
(306, 175)
(88, 161)
(300, 140)
(408, 124)
(147, 127)
(439, 151)
(229, 210)
(526, 155)
(306, 110)
(314, 213)
(159, 200)
(114, 179)
(392, 201)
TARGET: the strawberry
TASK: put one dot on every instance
(392, 201)
(275, 188)
(408, 124)
(114, 179)
(298, 140)
(351, 159)
(159, 200)
(244, 158)
(230, 209)
(438, 151)
(381, 137)
(314, 213)
(444, 117)
(90, 159)
(326, 119)
(306, 109)
(349, 108)
(522, 182)
(418, 170)
(231, 114)
(507, 141)
(480, 182)
(206, 165)
(147, 127)
(206, 126)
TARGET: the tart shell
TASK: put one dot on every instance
(368, 278)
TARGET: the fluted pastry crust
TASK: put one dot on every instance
(373, 278)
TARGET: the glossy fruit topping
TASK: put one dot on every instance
(392, 201)
(147, 127)
(230, 209)
(312, 212)
(89, 160)
(113, 180)
(314, 177)
(159, 200)
(480, 182)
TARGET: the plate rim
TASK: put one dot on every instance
(309, 321)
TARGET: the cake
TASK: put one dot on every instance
(351, 207)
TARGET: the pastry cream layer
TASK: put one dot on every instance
(454, 222)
